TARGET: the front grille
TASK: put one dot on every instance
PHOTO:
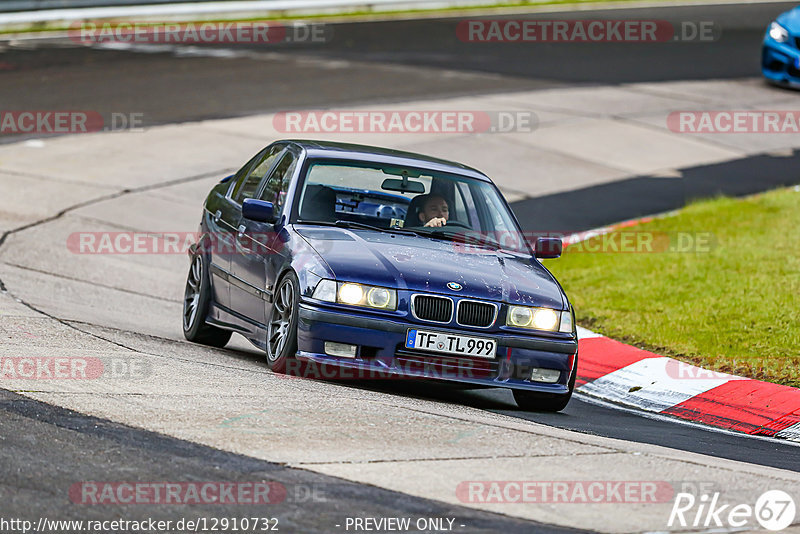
(471, 313)
(430, 308)
(446, 367)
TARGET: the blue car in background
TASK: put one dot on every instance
(780, 57)
(324, 255)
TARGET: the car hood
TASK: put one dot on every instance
(423, 264)
(790, 20)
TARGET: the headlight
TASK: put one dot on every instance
(351, 294)
(519, 316)
(356, 294)
(778, 32)
(539, 319)
(379, 297)
(368, 296)
(545, 319)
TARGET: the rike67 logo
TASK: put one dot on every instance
(774, 510)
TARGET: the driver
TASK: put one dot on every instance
(434, 212)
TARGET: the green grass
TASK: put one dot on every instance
(733, 307)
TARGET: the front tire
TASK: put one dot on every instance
(196, 302)
(282, 325)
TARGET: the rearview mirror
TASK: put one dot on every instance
(403, 186)
(548, 247)
(258, 210)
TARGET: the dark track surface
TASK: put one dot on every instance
(166, 88)
(46, 449)
(734, 51)
(595, 206)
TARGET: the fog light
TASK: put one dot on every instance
(545, 375)
(343, 350)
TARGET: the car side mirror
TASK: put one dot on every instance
(548, 247)
(258, 210)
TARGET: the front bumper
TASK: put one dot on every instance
(780, 62)
(382, 354)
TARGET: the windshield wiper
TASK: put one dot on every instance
(463, 238)
(353, 224)
(467, 239)
(441, 234)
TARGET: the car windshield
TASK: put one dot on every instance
(391, 198)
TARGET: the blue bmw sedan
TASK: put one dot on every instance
(384, 264)
(780, 57)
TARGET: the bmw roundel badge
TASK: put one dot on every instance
(455, 286)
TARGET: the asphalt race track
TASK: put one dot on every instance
(368, 67)
(323, 436)
(63, 437)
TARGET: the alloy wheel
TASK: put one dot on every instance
(191, 297)
(280, 320)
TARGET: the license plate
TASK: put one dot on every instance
(443, 343)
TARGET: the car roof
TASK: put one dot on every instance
(334, 150)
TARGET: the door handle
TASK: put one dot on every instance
(240, 235)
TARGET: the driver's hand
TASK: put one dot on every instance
(436, 222)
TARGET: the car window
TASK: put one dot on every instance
(279, 181)
(241, 174)
(373, 194)
(462, 192)
(248, 186)
(351, 192)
